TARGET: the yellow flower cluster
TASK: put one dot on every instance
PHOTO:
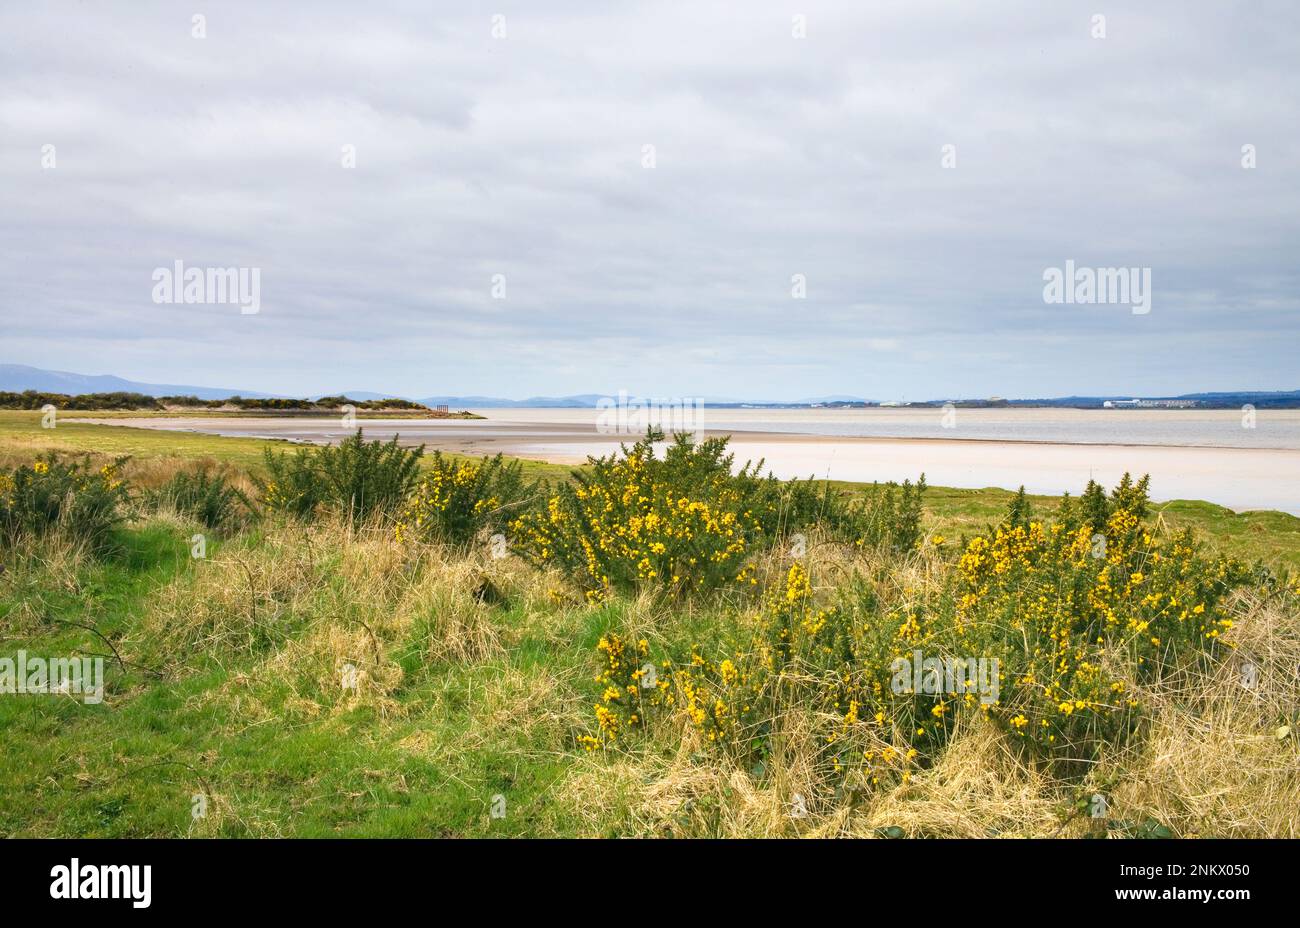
(632, 523)
(455, 500)
(795, 654)
(439, 495)
(108, 474)
(630, 686)
(1059, 604)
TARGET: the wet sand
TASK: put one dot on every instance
(1239, 478)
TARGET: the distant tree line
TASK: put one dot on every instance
(35, 399)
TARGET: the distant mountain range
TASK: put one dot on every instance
(580, 401)
(16, 378)
(1263, 399)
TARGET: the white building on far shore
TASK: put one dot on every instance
(1148, 404)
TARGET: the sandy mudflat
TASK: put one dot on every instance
(1239, 478)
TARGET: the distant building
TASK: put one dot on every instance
(1149, 404)
(442, 407)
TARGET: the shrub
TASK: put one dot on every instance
(455, 500)
(205, 496)
(69, 496)
(357, 478)
(1072, 626)
(888, 517)
(33, 399)
(794, 657)
(1077, 617)
(294, 486)
(1020, 511)
(682, 522)
(806, 657)
(1094, 509)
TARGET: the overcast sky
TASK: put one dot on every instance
(524, 155)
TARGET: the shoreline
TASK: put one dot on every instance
(553, 434)
(1241, 479)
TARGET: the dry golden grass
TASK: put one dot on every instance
(1222, 757)
(54, 564)
(243, 599)
(327, 607)
(445, 616)
(978, 788)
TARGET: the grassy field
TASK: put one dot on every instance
(223, 691)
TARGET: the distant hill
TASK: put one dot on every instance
(1257, 397)
(16, 378)
(1231, 399)
(577, 401)
(835, 398)
(580, 401)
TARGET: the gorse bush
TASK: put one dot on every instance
(888, 517)
(1051, 631)
(293, 485)
(795, 656)
(455, 500)
(1078, 613)
(356, 478)
(683, 522)
(206, 496)
(33, 399)
(69, 496)
(1095, 509)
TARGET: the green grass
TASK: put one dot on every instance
(21, 433)
(131, 766)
